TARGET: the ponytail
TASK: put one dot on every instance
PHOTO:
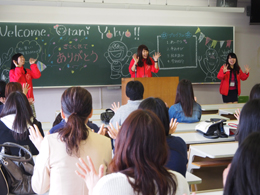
(73, 132)
(76, 104)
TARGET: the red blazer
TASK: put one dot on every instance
(18, 75)
(224, 77)
(145, 71)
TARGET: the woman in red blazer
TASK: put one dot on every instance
(230, 75)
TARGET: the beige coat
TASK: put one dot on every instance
(55, 169)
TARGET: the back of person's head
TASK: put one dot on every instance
(185, 96)
(2, 88)
(17, 103)
(141, 153)
(157, 106)
(243, 177)
(76, 104)
(255, 92)
(11, 87)
(15, 58)
(134, 90)
(249, 119)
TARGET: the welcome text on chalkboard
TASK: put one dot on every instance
(78, 54)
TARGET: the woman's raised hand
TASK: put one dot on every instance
(247, 69)
(32, 60)
(35, 136)
(115, 107)
(237, 114)
(173, 126)
(225, 66)
(112, 131)
(136, 59)
(156, 56)
(89, 174)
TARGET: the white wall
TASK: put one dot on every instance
(247, 41)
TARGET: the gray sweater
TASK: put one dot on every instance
(123, 112)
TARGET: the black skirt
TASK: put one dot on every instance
(231, 97)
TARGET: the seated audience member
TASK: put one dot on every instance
(134, 91)
(185, 109)
(177, 159)
(55, 165)
(14, 86)
(254, 94)
(15, 119)
(138, 164)
(242, 176)
(249, 119)
(60, 123)
(2, 92)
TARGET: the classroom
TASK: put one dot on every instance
(47, 99)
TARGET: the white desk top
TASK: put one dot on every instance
(192, 179)
(220, 192)
(186, 127)
(216, 150)
(198, 138)
(227, 110)
(205, 117)
(217, 106)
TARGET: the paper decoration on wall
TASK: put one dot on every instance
(214, 42)
(41, 66)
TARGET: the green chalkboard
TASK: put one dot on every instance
(82, 54)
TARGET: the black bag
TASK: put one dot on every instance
(16, 170)
(212, 129)
(106, 116)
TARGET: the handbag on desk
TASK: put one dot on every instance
(214, 128)
(15, 171)
(107, 115)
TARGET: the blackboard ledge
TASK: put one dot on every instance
(117, 86)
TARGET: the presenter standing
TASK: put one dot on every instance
(230, 75)
(24, 75)
(142, 65)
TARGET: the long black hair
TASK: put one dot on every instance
(140, 56)
(255, 92)
(157, 106)
(243, 177)
(236, 65)
(15, 58)
(185, 96)
(17, 103)
(249, 119)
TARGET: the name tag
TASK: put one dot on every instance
(232, 84)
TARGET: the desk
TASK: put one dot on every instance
(218, 192)
(186, 127)
(205, 117)
(214, 151)
(209, 107)
(192, 179)
(198, 138)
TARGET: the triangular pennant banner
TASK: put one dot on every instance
(221, 43)
(201, 37)
(198, 30)
(214, 43)
(228, 43)
(207, 40)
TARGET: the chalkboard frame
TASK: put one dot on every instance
(116, 25)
